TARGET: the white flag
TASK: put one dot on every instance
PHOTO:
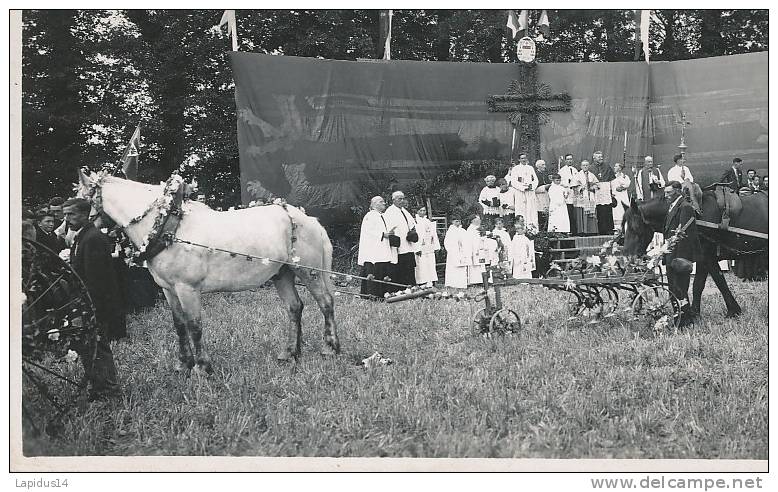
(232, 27)
(645, 23)
(513, 23)
(388, 43)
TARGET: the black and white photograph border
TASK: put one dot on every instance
(430, 378)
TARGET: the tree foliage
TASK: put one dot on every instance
(89, 77)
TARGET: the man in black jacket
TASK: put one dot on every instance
(734, 175)
(90, 257)
(686, 251)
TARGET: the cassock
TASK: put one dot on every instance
(523, 252)
(522, 177)
(622, 198)
(603, 198)
(375, 255)
(428, 243)
(402, 221)
(649, 184)
(489, 195)
(558, 219)
(585, 211)
(459, 256)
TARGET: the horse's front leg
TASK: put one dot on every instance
(284, 282)
(185, 356)
(189, 297)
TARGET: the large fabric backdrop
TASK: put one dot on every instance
(313, 130)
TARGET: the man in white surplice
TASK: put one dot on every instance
(398, 218)
(375, 255)
(459, 254)
(428, 244)
(522, 177)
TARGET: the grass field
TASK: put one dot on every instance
(555, 390)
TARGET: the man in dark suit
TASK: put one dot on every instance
(686, 251)
(734, 175)
(90, 257)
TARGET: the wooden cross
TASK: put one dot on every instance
(528, 105)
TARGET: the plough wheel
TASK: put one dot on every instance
(58, 318)
(480, 323)
(610, 300)
(505, 321)
(658, 308)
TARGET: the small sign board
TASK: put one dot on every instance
(525, 49)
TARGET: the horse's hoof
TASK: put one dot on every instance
(734, 314)
(185, 366)
(329, 350)
(204, 367)
(286, 355)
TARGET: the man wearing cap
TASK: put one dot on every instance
(679, 172)
(375, 252)
(522, 177)
(399, 219)
(489, 200)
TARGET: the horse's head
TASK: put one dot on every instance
(640, 223)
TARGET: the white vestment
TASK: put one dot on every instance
(480, 256)
(558, 219)
(428, 244)
(522, 177)
(568, 174)
(507, 202)
(459, 256)
(373, 247)
(622, 198)
(523, 251)
(402, 221)
(489, 194)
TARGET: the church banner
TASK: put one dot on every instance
(314, 130)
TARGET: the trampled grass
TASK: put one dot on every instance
(555, 390)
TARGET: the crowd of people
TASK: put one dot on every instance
(590, 198)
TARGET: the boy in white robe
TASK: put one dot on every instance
(619, 188)
(428, 243)
(490, 204)
(523, 252)
(558, 219)
(507, 198)
(459, 254)
(480, 253)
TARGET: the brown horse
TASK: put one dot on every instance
(642, 220)
(185, 271)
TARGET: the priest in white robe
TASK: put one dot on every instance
(375, 254)
(459, 254)
(568, 173)
(523, 179)
(398, 218)
(490, 204)
(426, 273)
(558, 220)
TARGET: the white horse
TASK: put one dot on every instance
(185, 271)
